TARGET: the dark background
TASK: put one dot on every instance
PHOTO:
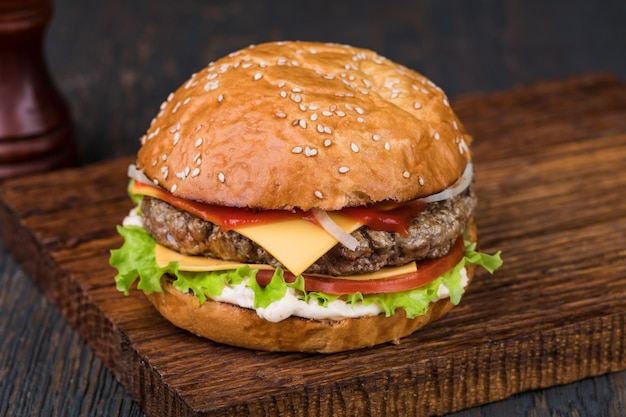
(116, 60)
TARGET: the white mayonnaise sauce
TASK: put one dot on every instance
(290, 305)
(133, 218)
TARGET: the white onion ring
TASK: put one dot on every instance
(137, 174)
(456, 188)
(328, 224)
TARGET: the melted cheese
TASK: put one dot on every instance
(200, 263)
(295, 243)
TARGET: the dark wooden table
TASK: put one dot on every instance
(115, 62)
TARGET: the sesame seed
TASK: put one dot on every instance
(455, 124)
(258, 76)
(328, 142)
(313, 117)
(329, 76)
(198, 161)
(198, 142)
(211, 85)
(155, 181)
(436, 136)
(164, 157)
(354, 147)
(421, 180)
(173, 189)
(283, 94)
(327, 130)
(417, 105)
(176, 137)
(302, 123)
(297, 98)
(319, 194)
(296, 89)
(310, 152)
(387, 146)
(343, 170)
(220, 98)
(281, 84)
(314, 107)
(212, 76)
(302, 106)
(221, 177)
(360, 119)
(320, 128)
(327, 113)
(446, 102)
(359, 110)
(170, 96)
(340, 113)
(195, 172)
(296, 149)
(280, 115)
(187, 100)
(406, 174)
(246, 65)
(376, 137)
(462, 147)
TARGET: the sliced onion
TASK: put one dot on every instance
(137, 174)
(456, 188)
(328, 224)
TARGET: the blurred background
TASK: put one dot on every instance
(116, 60)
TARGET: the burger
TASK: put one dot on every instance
(302, 196)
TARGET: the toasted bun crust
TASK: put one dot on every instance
(307, 125)
(237, 326)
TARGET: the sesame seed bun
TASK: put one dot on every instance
(304, 125)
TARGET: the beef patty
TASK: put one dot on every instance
(430, 235)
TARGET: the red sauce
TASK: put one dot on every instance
(388, 217)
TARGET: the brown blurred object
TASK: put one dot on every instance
(36, 131)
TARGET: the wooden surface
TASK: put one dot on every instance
(548, 161)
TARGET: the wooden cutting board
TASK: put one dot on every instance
(550, 165)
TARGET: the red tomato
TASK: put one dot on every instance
(427, 271)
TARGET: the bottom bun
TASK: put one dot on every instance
(237, 326)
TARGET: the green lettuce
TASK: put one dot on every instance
(135, 263)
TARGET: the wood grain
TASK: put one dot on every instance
(549, 177)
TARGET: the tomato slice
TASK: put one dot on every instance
(427, 271)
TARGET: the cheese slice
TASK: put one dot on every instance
(200, 263)
(295, 243)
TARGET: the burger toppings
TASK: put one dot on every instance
(430, 234)
(302, 179)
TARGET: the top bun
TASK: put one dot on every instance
(304, 125)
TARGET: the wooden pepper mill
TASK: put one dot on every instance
(35, 125)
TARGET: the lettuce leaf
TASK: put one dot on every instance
(135, 261)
